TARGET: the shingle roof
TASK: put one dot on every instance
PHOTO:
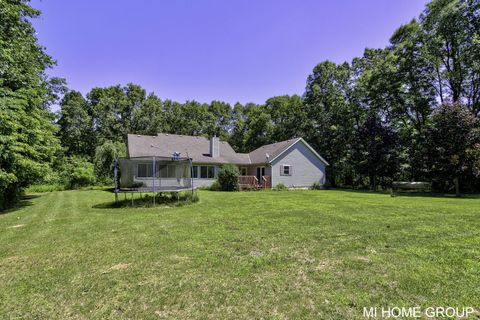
(272, 150)
(198, 148)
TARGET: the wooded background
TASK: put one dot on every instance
(405, 112)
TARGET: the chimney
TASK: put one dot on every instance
(215, 147)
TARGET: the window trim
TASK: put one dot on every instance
(195, 170)
(241, 171)
(282, 170)
(212, 171)
(148, 167)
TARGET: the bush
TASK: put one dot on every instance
(77, 172)
(40, 188)
(249, 188)
(280, 187)
(228, 177)
(215, 186)
(104, 158)
(137, 184)
(316, 186)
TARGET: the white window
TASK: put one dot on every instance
(243, 171)
(207, 172)
(144, 170)
(286, 170)
(194, 171)
(167, 171)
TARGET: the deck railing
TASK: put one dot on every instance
(252, 182)
(267, 182)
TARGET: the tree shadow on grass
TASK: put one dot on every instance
(470, 196)
(25, 201)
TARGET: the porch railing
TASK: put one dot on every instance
(252, 182)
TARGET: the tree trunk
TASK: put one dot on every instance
(373, 182)
(457, 186)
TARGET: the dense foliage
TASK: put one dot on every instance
(376, 119)
(372, 118)
(76, 172)
(27, 136)
(228, 177)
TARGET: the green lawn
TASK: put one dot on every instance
(292, 254)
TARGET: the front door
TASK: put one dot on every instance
(260, 173)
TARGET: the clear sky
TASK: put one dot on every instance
(230, 50)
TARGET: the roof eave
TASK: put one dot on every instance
(307, 145)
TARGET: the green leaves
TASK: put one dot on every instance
(27, 136)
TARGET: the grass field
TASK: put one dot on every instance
(292, 254)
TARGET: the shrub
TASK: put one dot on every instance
(104, 158)
(249, 188)
(77, 172)
(316, 186)
(215, 186)
(228, 177)
(40, 188)
(280, 187)
(189, 197)
(138, 184)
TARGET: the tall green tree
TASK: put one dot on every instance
(76, 125)
(27, 136)
(454, 141)
(253, 127)
(288, 116)
(417, 97)
(149, 119)
(221, 114)
(451, 40)
(331, 117)
(114, 110)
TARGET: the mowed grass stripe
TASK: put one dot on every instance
(295, 254)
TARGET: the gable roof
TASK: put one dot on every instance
(198, 149)
(306, 144)
(259, 155)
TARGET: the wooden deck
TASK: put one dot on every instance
(252, 182)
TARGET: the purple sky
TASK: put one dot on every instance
(230, 50)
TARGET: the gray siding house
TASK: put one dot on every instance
(293, 163)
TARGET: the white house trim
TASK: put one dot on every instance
(307, 145)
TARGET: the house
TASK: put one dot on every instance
(293, 163)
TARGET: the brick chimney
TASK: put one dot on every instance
(215, 147)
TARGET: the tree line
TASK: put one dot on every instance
(408, 111)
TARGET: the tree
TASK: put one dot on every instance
(149, 119)
(222, 119)
(454, 139)
(331, 117)
(27, 140)
(374, 152)
(76, 172)
(288, 116)
(104, 159)
(451, 42)
(76, 126)
(416, 95)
